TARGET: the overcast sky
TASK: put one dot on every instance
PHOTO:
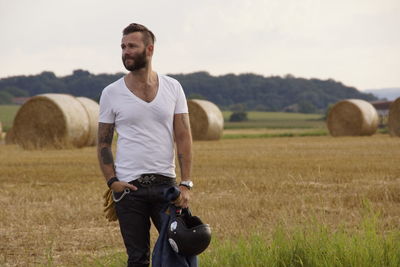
(356, 42)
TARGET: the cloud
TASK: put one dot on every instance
(349, 41)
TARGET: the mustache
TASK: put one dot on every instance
(127, 57)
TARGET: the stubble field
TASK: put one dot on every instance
(51, 201)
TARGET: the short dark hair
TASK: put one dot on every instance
(148, 36)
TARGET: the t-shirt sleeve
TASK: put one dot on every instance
(106, 114)
(181, 103)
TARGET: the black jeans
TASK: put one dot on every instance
(134, 211)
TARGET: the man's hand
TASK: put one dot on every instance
(119, 186)
(184, 197)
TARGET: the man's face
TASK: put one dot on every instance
(134, 56)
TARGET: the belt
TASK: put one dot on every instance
(150, 179)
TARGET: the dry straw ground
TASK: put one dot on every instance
(51, 206)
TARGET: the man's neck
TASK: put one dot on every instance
(141, 80)
(142, 76)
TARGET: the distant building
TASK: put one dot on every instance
(19, 100)
(292, 108)
(382, 107)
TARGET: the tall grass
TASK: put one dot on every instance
(314, 245)
(311, 245)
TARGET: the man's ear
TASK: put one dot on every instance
(150, 50)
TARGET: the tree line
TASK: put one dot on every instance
(230, 92)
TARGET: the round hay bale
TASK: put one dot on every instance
(10, 137)
(352, 117)
(206, 120)
(394, 118)
(51, 121)
(92, 110)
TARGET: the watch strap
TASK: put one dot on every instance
(187, 184)
(111, 181)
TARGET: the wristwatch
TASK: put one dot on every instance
(188, 184)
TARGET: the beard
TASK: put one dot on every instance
(139, 61)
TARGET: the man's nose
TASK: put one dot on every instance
(125, 52)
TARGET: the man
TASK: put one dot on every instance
(149, 112)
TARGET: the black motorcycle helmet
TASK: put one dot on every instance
(188, 235)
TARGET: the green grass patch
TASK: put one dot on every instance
(310, 245)
(262, 115)
(116, 259)
(272, 135)
(315, 245)
(7, 114)
(384, 130)
(275, 120)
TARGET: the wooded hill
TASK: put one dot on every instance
(230, 91)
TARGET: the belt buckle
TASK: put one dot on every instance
(147, 180)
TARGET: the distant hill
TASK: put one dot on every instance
(245, 91)
(385, 93)
(275, 93)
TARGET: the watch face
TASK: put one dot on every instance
(187, 183)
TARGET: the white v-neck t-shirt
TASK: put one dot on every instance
(145, 129)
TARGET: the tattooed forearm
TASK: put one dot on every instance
(104, 152)
(106, 156)
(106, 133)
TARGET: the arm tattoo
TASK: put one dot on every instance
(106, 156)
(106, 133)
